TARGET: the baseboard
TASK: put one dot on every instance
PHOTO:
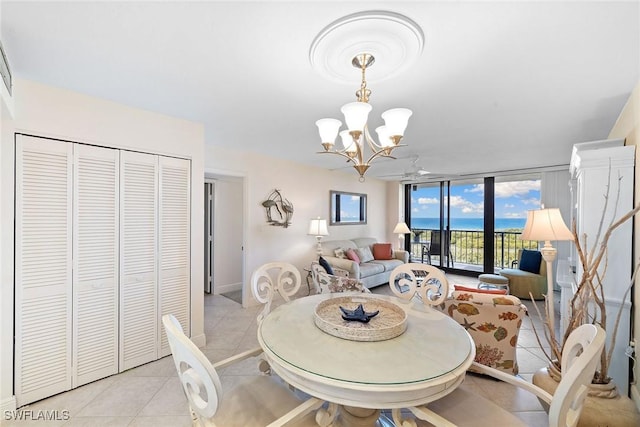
(199, 340)
(635, 395)
(221, 289)
(8, 404)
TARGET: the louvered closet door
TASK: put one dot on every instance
(138, 259)
(42, 268)
(174, 270)
(95, 254)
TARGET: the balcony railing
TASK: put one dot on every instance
(467, 246)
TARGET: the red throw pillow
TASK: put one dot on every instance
(382, 251)
(351, 254)
(461, 288)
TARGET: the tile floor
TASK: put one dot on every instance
(151, 395)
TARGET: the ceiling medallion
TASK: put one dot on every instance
(381, 34)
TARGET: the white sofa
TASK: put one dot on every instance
(372, 273)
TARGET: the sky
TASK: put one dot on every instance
(512, 199)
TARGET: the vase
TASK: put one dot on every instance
(604, 406)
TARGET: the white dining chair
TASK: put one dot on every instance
(428, 282)
(464, 407)
(258, 401)
(271, 278)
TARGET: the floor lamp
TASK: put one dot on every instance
(547, 225)
(401, 229)
(318, 228)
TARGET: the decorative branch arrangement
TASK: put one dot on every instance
(588, 302)
(282, 206)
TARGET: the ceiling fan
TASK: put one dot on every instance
(414, 172)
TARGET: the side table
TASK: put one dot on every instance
(493, 281)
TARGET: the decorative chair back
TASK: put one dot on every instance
(272, 277)
(580, 357)
(427, 281)
(199, 378)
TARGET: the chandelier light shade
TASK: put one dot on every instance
(357, 132)
(547, 225)
(318, 228)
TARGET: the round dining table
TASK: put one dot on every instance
(424, 363)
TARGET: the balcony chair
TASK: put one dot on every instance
(419, 280)
(271, 278)
(435, 247)
(465, 407)
(257, 401)
(530, 275)
(329, 283)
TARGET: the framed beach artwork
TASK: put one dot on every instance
(347, 208)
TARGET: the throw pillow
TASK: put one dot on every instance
(323, 262)
(364, 254)
(530, 261)
(382, 251)
(353, 256)
(480, 291)
(340, 253)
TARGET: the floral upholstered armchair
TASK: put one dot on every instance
(493, 320)
(328, 283)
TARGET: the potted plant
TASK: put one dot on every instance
(588, 306)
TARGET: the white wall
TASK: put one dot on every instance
(228, 235)
(307, 188)
(555, 193)
(46, 111)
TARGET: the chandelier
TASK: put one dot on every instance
(355, 116)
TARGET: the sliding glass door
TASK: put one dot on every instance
(470, 225)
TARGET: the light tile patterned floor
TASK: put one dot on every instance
(150, 395)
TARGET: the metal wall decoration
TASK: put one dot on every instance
(283, 209)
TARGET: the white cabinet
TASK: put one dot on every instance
(594, 166)
(102, 251)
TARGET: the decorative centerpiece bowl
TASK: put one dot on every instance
(389, 322)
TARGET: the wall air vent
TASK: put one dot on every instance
(4, 70)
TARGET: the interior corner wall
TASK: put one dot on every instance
(46, 111)
(395, 210)
(7, 400)
(627, 126)
(307, 188)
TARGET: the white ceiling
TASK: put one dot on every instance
(499, 85)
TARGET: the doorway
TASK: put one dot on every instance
(224, 235)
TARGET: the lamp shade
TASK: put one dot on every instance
(383, 136)
(396, 120)
(347, 142)
(318, 227)
(328, 129)
(547, 225)
(355, 114)
(401, 228)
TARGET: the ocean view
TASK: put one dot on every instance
(472, 224)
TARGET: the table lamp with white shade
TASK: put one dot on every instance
(401, 229)
(318, 228)
(547, 225)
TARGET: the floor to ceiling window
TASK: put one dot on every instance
(471, 225)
